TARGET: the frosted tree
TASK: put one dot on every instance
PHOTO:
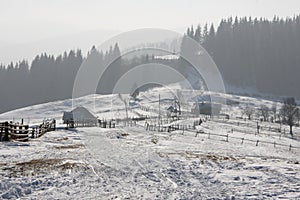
(248, 111)
(289, 113)
(264, 111)
(274, 111)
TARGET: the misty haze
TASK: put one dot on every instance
(149, 100)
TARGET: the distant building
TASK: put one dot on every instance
(167, 57)
(206, 104)
(171, 111)
(174, 111)
(80, 116)
(206, 108)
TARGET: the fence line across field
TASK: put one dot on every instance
(187, 128)
(260, 129)
(22, 132)
(153, 125)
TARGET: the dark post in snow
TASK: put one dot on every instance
(5, 131)
(158, 112)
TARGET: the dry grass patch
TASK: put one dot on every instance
(73, 146)
(193, 155)
(61, 139)
(42, 166)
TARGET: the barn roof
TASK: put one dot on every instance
(79, 114)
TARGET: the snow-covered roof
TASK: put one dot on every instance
(167, 57)
(79, 114)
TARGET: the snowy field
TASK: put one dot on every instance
(129, 162)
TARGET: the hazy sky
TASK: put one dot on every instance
(26, 21)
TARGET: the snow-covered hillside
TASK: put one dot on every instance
(129, 162)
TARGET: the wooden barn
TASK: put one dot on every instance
(79, 117)
(206, 108)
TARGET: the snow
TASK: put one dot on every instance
(129, 162)
(168, 57)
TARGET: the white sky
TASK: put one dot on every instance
(26, 21)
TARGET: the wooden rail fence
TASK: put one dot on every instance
(19, 132)
(227, 138)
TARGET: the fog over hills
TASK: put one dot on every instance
(14, 52)
(172, 99)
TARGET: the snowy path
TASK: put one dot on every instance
(127, 164)
(131, 163)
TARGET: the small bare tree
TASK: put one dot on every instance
(289, 113)
(264, 112)
(274, 111)
(248, 111)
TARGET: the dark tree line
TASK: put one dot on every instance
(260, 53)
(48, 78)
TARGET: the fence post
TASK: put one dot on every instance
(5, 131)
(54, 124)
(227, 138)
(20, 131)
(290, 147)
(274, 144)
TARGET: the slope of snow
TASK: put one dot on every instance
(129, 162)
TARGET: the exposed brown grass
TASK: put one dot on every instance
(39, 162)
(193, 155)
(41, 167)
(73, 146)
(63, 138)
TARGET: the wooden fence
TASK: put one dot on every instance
(19, 132)
(224, 137)
(106, 123)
